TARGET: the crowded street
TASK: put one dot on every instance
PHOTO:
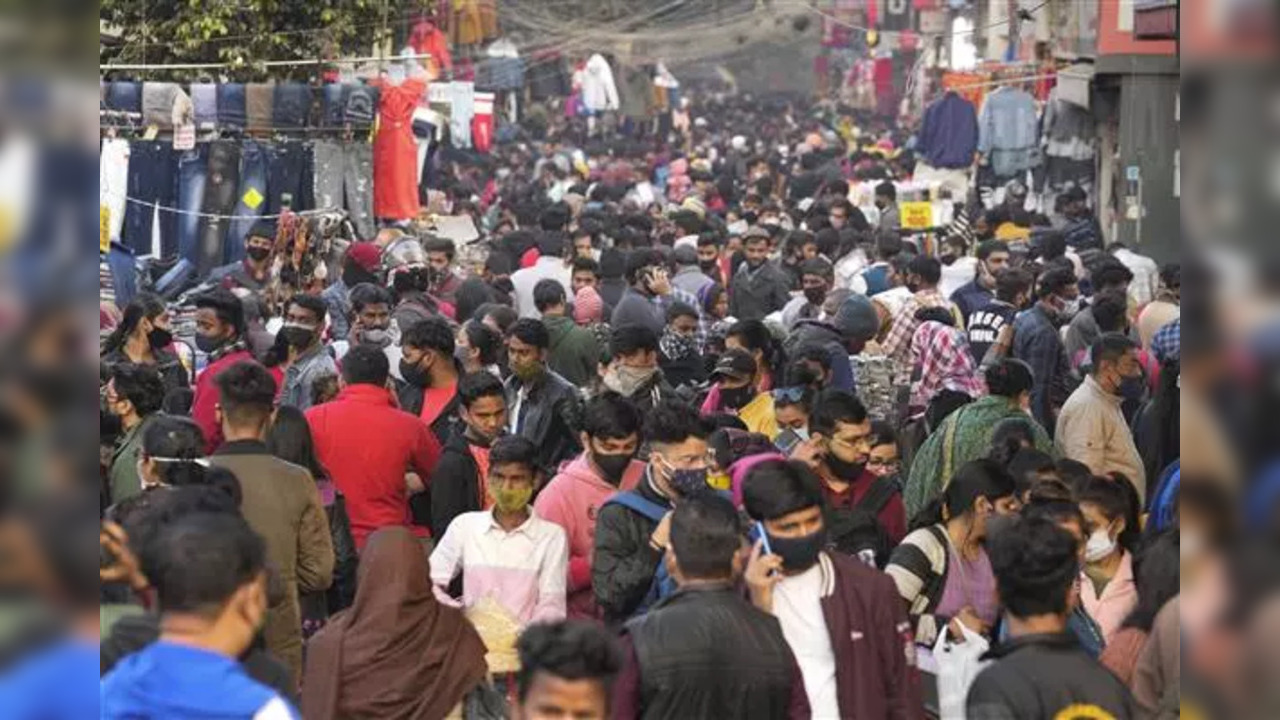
(694, 361)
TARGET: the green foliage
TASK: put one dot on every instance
(246, 33)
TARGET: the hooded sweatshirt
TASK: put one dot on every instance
(572, 500)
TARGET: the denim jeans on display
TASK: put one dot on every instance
(345, 172)
(231, 106)
(124, 96)
(204, 100)
(152, 181)
(220, 197)
(289, 171)
(335, 106)
(291, 106)
(253, 198)
(193, 167)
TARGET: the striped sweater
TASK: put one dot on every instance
(918, 567)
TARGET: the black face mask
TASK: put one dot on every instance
(258, 254)
(159, 338)
(708, 266)
(208, 343)
(414, 374)
(612, 466)
(798, 553)
(736, 398)
(816, 295)
(296, 336)
(843, 470)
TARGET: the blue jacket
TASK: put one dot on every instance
(1036, 341)
(949, 133)
(166, 680)
(970, 298)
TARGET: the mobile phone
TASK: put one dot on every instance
(764, 538)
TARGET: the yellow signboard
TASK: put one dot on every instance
(917, 215)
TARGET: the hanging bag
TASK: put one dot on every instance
(958, 666)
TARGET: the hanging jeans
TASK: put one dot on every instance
(289, 172)
(152, 173)
(335, 106)
(113, 183)
(253, 198)
(291, 106)
(124, 96)
(345, 172)
(219, 199)
(231, 106)
(193, 168)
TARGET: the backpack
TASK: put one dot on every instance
(663, 584)
(857, 531)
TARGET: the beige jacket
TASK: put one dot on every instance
(1092, 429)
(282, 504)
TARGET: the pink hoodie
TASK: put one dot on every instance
(572, 500)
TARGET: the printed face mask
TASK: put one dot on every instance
(508, 499)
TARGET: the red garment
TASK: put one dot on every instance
(427, 39)
(892, 517)
(395, 151)
(435, 400)
(204, 403)
(368, 444)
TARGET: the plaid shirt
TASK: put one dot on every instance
(897, 344)
(664, 303)
(946, 363)
(1166, 344)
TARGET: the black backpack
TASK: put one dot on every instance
(857, 531)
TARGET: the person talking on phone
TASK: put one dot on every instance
(843, 620)
(642, 303)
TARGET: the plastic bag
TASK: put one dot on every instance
(958, 665)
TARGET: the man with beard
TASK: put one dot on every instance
(759, 286)
(458, 484)
(633, 528)
(542, 405)
(1038, 342)
(633, 370)
(713, 262)
(844, 621)
(308, 358)
(359, 265)
(993, 256)
(371, 324)
(840, 431)
(611, 428)
(817, 277)
(220, 330)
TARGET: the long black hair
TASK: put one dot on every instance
(975, 479)
(1116, 497)
(143, 306)
(1156, 575)
(290, 440)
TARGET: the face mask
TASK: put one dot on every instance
(914, 287)
(1067, 309)
(414, 374)
(842, 469)
(1131, 387)
(462, 355)
(815, 296)
(207, 343)
(612, 466)
(376, 336)
(258, 254)
(509, 500)
(159, 338)
(626, 380)
(298, 336)
(798, 553)
(1099, 546)
(689, 483)
(736, 398)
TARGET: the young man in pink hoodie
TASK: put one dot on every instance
(610, 438)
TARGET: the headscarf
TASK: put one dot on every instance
(396, 653)
(588, 308)
(942, 354)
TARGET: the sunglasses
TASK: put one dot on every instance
(790, 394)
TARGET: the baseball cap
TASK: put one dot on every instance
(734, 364)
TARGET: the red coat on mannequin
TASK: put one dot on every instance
(395, 151)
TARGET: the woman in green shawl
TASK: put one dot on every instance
(967, 433)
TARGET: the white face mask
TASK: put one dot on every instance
(1099, 546)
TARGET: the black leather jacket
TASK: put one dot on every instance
(549, 415)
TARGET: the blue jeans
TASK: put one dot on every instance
(335, 106)
(220, 199)
(192, 168)
(253, 199)
(289, 171)
(291, 106)
(231, 107)
(124, 96)
(152, 179)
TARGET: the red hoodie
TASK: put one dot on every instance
(572, 500)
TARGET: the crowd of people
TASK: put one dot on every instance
(685, 434)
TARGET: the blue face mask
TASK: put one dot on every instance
(1132, 387)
